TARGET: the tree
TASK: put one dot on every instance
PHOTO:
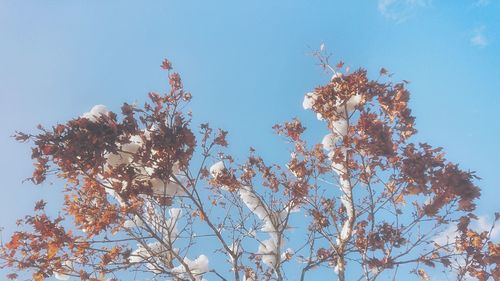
(366, 203)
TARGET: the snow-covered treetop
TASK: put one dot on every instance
(148, 196)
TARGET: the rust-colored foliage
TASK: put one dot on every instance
(136, 191)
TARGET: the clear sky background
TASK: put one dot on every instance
(248, 66)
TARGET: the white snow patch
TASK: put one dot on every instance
(329, 141)
(96, 111)
(169, 188)
(309, 100)
(253, 202)
(197, 267)
(268, 250)
(63, 274)
(217, 169)
(340, 127)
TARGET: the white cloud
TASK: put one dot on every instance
(478, 38)
(482, 3)
(447, 236)
(483, 223)
(401, 10)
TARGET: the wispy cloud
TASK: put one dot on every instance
(482, 3)
(483, 223)
(478, 39)
(401, 10)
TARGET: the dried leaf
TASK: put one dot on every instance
(423, 275)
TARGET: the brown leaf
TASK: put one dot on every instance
(166, 64)
(40, 205)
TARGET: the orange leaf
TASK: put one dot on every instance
(37, 276)
(202, 216)
(52, 250)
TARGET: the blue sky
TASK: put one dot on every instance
(248, 66)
